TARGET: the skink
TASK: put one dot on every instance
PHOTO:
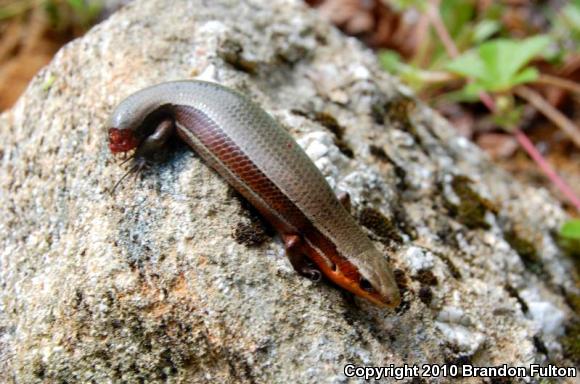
(253, 153)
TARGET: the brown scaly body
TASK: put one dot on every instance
(263, 162)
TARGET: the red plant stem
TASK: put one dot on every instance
(488, 101)
(545, 108)
(526, 143)
(533, 152)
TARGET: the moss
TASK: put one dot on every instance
(403, 284)
(546, 380)
(472, 207)
(344, 148)
(571, 341)
(426, 295)
(525, 250)
(426, 277)
(329, 122)
(403, 307)
(458, 361)
(514, 293)
(401, 280)
(571, 248)
(382, 156)
(540, 346)
(452, 267)
(378, 111)
(38, 368)
(400, 109)
(232, 53)
(379, 153)
(397, 111)
(250, 234)
(255, 231)
(573, 301)
(380, 225)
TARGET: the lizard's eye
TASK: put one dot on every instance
(366, 285)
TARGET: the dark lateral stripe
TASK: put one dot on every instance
(222, 147)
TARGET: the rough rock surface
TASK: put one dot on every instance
(174, 279)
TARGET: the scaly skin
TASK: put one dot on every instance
(263, 162)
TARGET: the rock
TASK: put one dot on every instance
(149, 285)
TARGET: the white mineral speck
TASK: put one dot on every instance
(452, 314)
(456, 327)
(467, 340)
(463, 142)
(209, 73)
(316, 150)
(213, 27)
(417, 259)
(546, 315)
(361, 73)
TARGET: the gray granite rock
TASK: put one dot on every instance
(173, 279)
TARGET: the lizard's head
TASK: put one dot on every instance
(368, 275)
(122, 140)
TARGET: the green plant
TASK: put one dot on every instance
(571, 230)
(498, 65)
(569, 236)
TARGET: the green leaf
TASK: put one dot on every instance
(390, 60)
(407, 4)
(412, 76)
(457, 14)
(525, 76)
(473, 89)
(77, 4)
(498, 65)
(507, 57)
(484, 29)
(469, 65)
(462, 95)
(571, 229)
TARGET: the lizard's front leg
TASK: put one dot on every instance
(299, 261)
